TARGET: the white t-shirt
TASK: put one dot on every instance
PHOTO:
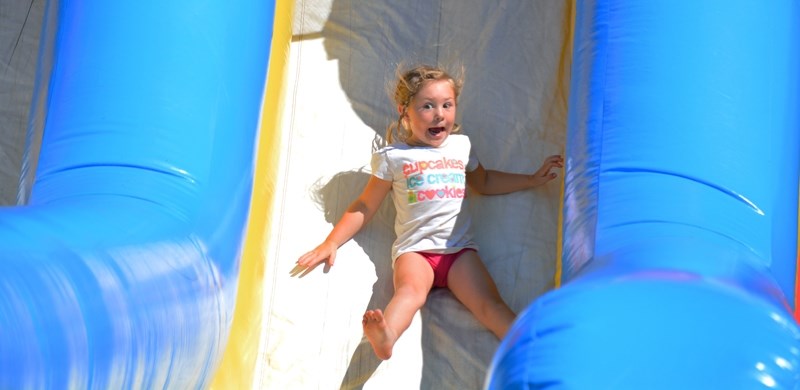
(428, 190)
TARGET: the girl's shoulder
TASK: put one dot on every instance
(458, 141)
(394, 147)
(458, 137)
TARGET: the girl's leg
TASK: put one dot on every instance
(470, 282)
(413, 278)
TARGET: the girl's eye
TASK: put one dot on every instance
(427, 106)
(448, 105)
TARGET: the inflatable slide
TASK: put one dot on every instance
(680, 215)
(121, 269)
(181, 155)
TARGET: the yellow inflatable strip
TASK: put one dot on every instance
(238, 364)
(564, 83)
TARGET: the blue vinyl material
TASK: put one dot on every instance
(121, 270)
(680, 217)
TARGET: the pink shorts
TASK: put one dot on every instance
(441, 263)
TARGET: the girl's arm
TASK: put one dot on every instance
(489, 182)
(356, 216)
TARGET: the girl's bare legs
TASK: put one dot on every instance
(471, 283)
(413, 278)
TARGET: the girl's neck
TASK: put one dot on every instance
(418, 144)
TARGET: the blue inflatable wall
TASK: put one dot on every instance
(121, 271)
(680, 217)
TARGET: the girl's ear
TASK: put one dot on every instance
(400, 109)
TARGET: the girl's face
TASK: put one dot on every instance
(431, 114)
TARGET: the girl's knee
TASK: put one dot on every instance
(411, 294)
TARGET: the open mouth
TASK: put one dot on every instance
(435, 130)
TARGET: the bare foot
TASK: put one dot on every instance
(380, 336)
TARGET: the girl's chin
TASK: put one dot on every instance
(429, 140)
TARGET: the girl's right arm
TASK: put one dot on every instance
(356, 216)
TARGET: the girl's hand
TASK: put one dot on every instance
(323, 252)
(543, 175)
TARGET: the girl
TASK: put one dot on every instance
(427, 170)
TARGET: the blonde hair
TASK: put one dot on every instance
(409, 83)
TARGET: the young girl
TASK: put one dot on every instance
(427, 169)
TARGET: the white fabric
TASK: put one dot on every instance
(513, 107)
(428, 191)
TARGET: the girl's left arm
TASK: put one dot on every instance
(490, 182)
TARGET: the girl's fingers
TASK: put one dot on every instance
(308, 259)
(315, 257)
